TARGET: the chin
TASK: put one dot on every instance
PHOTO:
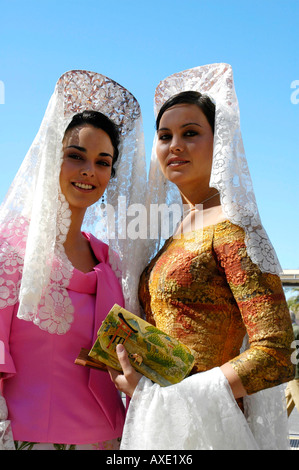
(175, 178)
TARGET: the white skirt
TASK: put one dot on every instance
(201, 413)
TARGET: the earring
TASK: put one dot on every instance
(103, 205)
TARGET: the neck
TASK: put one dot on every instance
(208, 199)
(77, 247)
(74, 235)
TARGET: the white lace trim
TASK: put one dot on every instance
(55, 310)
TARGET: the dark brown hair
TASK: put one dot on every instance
(190, 97)
(99, 121)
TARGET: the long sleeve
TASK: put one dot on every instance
(264, 310)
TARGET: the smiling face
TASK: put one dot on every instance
(86, 167)
(185, 148)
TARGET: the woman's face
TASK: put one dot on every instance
(185, 147)
(86, 167)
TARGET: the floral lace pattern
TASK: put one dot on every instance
(230, 173)
(12, 249)
(88, 90)
(55, 310)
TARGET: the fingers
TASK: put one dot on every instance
(124, 362)
(127, 381)
(124, 359)
(113, 373)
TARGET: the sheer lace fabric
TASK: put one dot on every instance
(201, 413)
(35, 216)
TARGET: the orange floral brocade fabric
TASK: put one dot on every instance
(204, 290)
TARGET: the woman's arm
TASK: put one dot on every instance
(265, 314)
(127, 381)
(234, 380)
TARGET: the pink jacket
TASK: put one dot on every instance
(49, 398)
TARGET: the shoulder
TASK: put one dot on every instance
(224, 231)
(227, 232)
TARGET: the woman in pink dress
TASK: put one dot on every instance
(57, 280)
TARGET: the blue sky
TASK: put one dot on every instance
(138, 43)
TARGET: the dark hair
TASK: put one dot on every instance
(190, 97)
(99, 121)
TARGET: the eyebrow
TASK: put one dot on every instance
(82, 149)
(184, 125)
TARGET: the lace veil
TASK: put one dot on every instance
(230, 173)
(35, 217)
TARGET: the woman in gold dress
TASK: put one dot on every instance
(211, 286)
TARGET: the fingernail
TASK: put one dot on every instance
(119, 348)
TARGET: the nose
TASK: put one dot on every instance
(176, 145)
(87, 170)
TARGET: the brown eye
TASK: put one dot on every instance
(164, 137)
(191, 133)
(73, 156)
(103, 163)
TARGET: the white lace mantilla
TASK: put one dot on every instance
(230, 173)
(35, 217)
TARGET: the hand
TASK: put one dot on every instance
(126, 382)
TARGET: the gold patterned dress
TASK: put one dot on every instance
(204, 290)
